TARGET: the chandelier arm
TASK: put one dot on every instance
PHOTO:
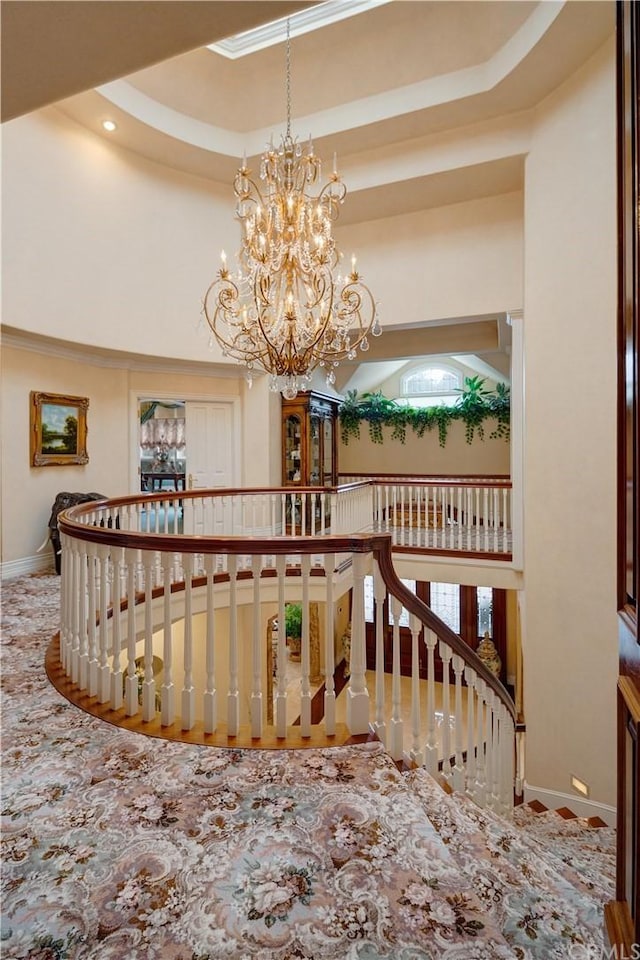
(331, 200)
(247, 196)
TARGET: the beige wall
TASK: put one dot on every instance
(569, 629)
(420, 455)
(462, 260)
(121, 250)
(28, 492)
(103, 247)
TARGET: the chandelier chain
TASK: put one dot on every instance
(288, 79)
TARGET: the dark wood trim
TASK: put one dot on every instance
(437, 552)
(463, 477)
(619, 928)
(628, 160)
(623, 916)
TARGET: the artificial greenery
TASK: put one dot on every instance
(474, 405)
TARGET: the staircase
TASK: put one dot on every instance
(544, 877)
(121, 845)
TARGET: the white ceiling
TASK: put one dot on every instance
(382, 89)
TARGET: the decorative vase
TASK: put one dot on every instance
(489, 655)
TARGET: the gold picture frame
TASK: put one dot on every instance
(58, 430)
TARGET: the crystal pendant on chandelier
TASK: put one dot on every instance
(283, 312)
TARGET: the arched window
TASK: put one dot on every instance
(432, 379)
(430, 385)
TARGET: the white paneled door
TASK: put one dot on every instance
(209, 433)
(209, 462)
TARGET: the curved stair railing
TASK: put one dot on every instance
(164, 617)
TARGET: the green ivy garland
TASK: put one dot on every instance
(474, 405)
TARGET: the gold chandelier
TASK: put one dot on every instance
(283, 313)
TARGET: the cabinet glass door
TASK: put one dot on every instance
(315, 450)
(292, 448)
(327, 453)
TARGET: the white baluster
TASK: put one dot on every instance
(281, 696)
(233, 697)
(507, 761)
(458, 769)
(445, 656)
(357, 693)
(66, 574)
(256, 686)
(496, 512)
(416, 752)
(506, 513)
(75, 612)
(188, 688)
(477, 517)
(395, 743)
(388, 507)
(431, 746)
(83, 640)
(305, 689)
(470, 676)
(148, 684)
(489, 739)
(92, 684)
(459, 516)
(131, 681)
(210, 708)
(379, 593)
(116, 621)
(329, 654)
(429, 508)
(188, 520)
(410, 506)
(480, 792)
(103, 668)
(489, 745)
(485, 517)
(167, 691)
(520, 762)
(444, 491)
(494, 766)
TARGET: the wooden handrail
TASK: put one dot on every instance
(432, 621)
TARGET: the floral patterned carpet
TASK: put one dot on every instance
(116, 845)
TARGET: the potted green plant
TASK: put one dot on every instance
(293, 626)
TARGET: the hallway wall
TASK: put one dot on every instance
(569, 630)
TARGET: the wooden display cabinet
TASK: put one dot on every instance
(309, 440)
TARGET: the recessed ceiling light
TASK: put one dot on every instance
(109, 125)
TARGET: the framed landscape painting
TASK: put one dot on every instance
(58, 430)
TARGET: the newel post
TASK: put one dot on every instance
(357, 694)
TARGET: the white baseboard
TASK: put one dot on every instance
(580, 805)
(38, 563)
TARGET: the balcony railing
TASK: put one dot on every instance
(165, 609)
(444, 514)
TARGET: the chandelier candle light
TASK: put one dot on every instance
(282, 312)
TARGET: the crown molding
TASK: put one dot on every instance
(114, 359)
